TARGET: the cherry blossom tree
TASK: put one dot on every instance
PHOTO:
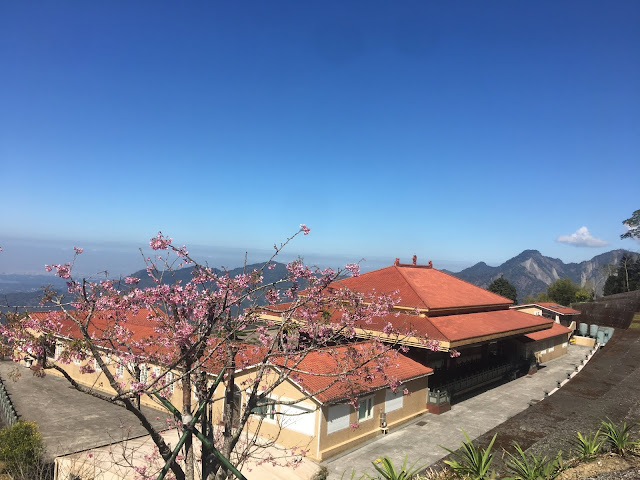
(207, 329)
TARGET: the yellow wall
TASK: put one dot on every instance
(98, 381)
(550, 348)
(337, 442)
(530, 310)
(584, 341)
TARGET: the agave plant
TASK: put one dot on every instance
(588, 445)
(385, 467)
(532, 467)
(617, 437)
(471, 461)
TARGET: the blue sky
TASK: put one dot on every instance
(459, 131)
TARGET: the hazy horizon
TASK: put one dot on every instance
(29, 256)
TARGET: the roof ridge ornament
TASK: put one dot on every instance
(414, 263)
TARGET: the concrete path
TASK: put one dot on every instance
(420, 440)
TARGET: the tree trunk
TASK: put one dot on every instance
(186, 410)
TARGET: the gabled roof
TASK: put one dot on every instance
(317, 373)
(423, 287)
(554, 307)
(554, 331)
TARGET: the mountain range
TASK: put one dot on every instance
(531, 272)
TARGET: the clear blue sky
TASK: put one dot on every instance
(459, 131)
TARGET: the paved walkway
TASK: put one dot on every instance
(420, 440)
(68, 420)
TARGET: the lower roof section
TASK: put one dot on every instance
(450, 331)
(453, 331)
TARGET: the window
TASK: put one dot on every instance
(542, 352)
(551, 349)
(298, 418)
(392, 401)
(170, 384)
(144, 374)
(119, 370)
(265, 407)
(365, 409)
(338, 417)
(59, 350)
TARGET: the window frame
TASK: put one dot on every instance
(369, 405)
(268, 411)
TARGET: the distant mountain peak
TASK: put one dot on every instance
(531, 272)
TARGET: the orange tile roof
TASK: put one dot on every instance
(499, 323)
(555, 330)
(454, 328)
(142, 328)
(423, 287)
(321, 368)
(558, 308)
(102, 321)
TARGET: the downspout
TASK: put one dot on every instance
(319, 430)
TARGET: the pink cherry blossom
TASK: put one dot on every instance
(304, 229)
(354, 268)
(160, 242)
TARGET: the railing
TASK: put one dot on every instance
(468, 383)
(438, 397)
(9, 414)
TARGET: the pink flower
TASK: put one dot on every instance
(78, 250)
(160, 242)
(304, 229)
(63, 271)
(130, 280)
(454, 353)
(354, 268)
(48, 268)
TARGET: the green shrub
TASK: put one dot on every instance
(21, 447)
(588, 445)
(472, 461)
(532, 467)
(617, 437)
(384, 466)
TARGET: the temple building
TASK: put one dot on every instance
(469, 336)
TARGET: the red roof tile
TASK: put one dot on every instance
(138, 323)
(423, 287)
(321, 369)
(555, 330)
(461, 327)
(499, 323)
(558, 308)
